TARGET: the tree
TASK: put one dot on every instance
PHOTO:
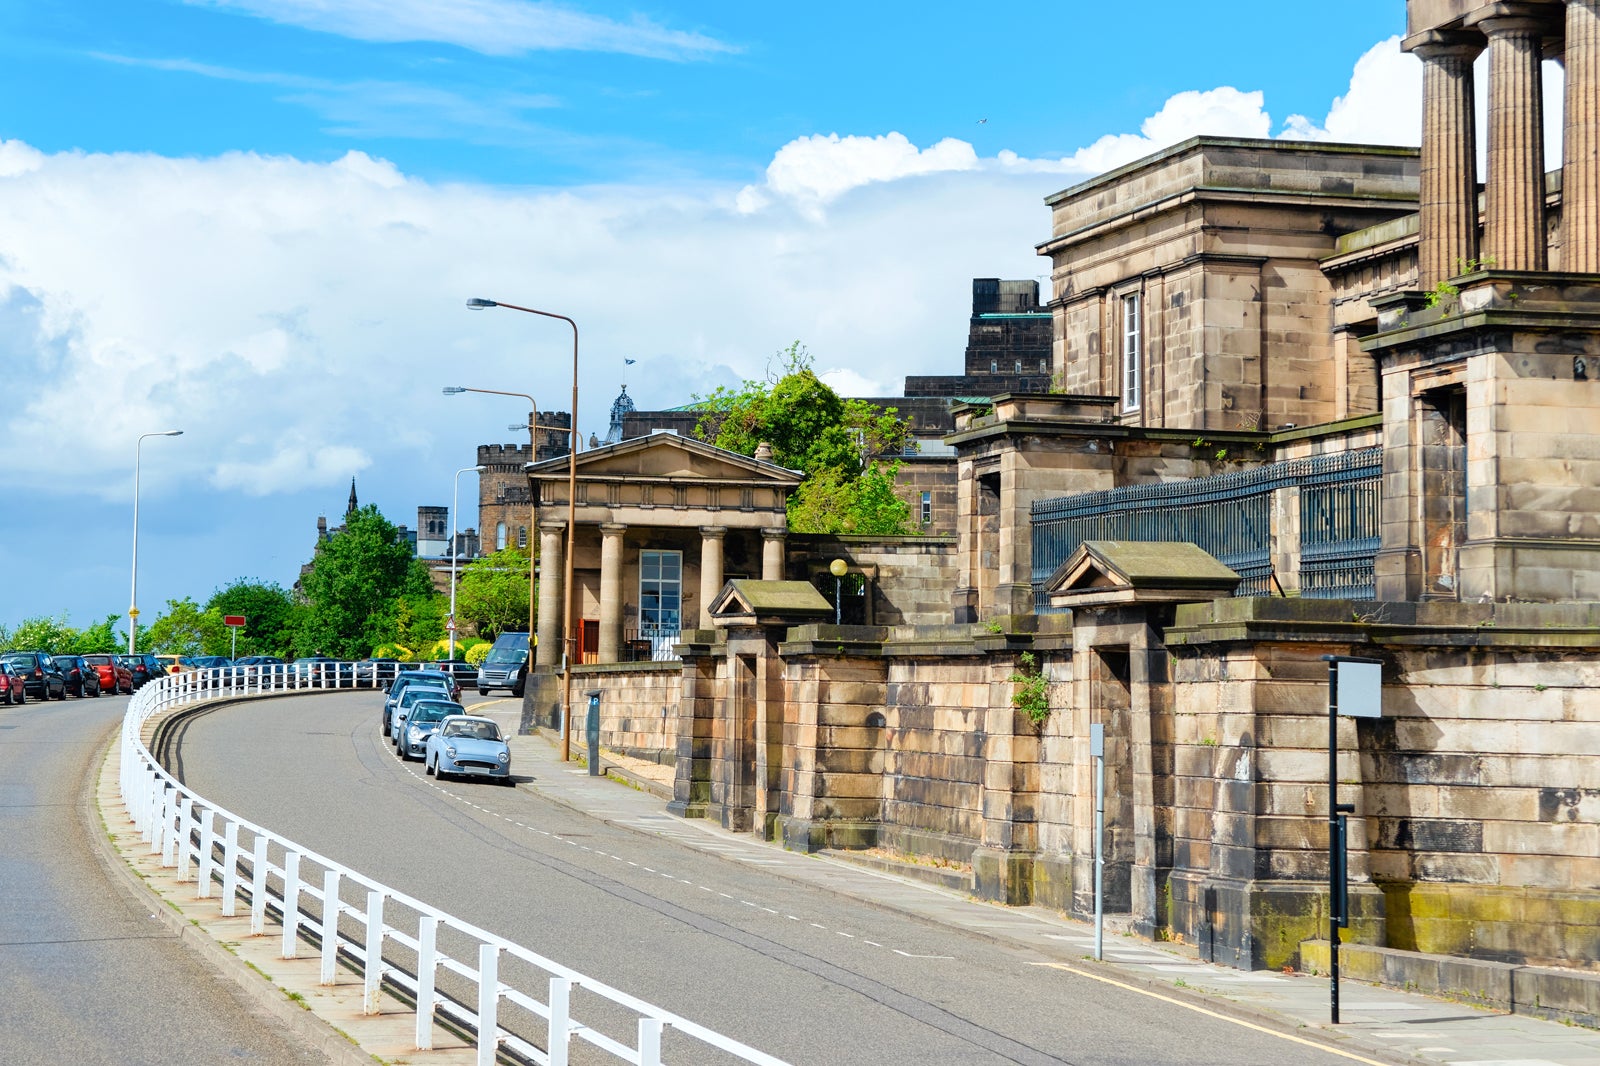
(830, 440)
(186, 629)
(269, 614)
(492, 593)
(364, 588)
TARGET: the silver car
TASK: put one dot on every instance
(419, 722)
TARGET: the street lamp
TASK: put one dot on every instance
(568, 636)
(133, 594)
(838, 568)
(455, 502)
(533, 440)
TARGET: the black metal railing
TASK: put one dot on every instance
(1230, 516)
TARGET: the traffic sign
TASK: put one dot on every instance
(235, 620)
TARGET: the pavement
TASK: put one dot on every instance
(1393, 1024)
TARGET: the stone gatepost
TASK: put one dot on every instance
(700, 695)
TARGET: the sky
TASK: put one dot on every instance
(258, 221)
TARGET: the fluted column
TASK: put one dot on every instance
(548, 653)
(1513, 217)
(772, 545)
(610, 591)
(1448, 226)
(710, 569)
(1580, 165)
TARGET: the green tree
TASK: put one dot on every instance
(830, 440)
(364, 588)
(43, 634)
(492, 593)
(186, 629)
(269, 616)
(101, 637)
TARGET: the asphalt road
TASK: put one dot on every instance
(794, 970)
(87, 975)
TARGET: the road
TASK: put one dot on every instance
(792, 969)
(87, 975)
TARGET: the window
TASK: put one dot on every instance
(499, 536)
(660, 595)
(1132, 354)
(1044, 366)
(994, 366)
(522, 537)
(927, 508)
(1019, 366)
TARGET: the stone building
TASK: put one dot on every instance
(505, 503)
(1319, 400)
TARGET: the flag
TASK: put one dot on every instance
(630, 362)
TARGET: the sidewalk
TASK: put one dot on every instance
(1394, 1024)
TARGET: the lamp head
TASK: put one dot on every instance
(516, 426)
(451, 390)
(838, 568)
(173, 433)
(477, 304)
(480, 469)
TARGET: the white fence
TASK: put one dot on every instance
(515, 1003)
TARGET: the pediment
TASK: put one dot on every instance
(748, 602)
(1124, 571)
(668, 455)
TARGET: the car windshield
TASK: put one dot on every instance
(97, 660)
(17, 659)
(505, 655)
(472, 730)
(415, 694)
(433, 712)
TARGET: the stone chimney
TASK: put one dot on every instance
(764, 452)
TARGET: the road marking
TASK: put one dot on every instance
(1209, 1013)
(908, 955)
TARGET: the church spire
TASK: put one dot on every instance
(352, 508)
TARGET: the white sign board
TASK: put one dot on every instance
(1097, 740)
(1360, 689)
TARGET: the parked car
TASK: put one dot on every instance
(323, 670)
(176, 664)
(431, 687)
(81, 679)
(262, 663)
(12, 689)
(210, 662)
(420, 721)
(464, 672)
(469, 746)
(41, 679)
(114, 677)
(144, 666)
(506, 665)
(377, 673)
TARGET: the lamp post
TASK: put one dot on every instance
(533, 439)
(455, 501)
(569, 648)
(838, 568)
(133, 594)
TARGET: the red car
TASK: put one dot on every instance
(114, 677)
(11, 690)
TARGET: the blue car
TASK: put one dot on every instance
(439, 684)
(468, 746)
(416, 723)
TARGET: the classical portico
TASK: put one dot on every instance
(663, 522)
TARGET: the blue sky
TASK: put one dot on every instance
(257, 221)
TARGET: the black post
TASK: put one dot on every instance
(1333, 837)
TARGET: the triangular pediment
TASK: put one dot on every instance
(1126, 571)
(748, 602)
(667, 455)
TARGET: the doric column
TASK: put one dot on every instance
(610, 590)
(1513, 217)
(1580, 170)
(1448, 226)
(772, 547)
(710, 569)
(548, 653)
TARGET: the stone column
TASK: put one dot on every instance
(1513, 217)
(1448, 226)
(710, 569)
(1580, 170)
(548, 653)
(772, 547)
(610, 590)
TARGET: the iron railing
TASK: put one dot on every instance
(516, 1004)
(1229, 515)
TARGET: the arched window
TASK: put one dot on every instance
(499, 536)
(522, 537)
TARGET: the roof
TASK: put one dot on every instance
(1134, 571)
(744, 601)
(610, 459)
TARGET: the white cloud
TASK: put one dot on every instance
(818, 169)
(1382, 106)
(493, 27)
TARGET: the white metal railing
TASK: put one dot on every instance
(453, 970)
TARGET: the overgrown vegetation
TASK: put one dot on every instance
(1032, 694)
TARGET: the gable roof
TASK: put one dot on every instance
(743, 601)
(1135, 571)
(667, 455)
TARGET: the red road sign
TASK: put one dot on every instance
(236, 620)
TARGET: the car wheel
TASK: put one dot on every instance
(482, 691)
(63, 695)
(517, 689)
